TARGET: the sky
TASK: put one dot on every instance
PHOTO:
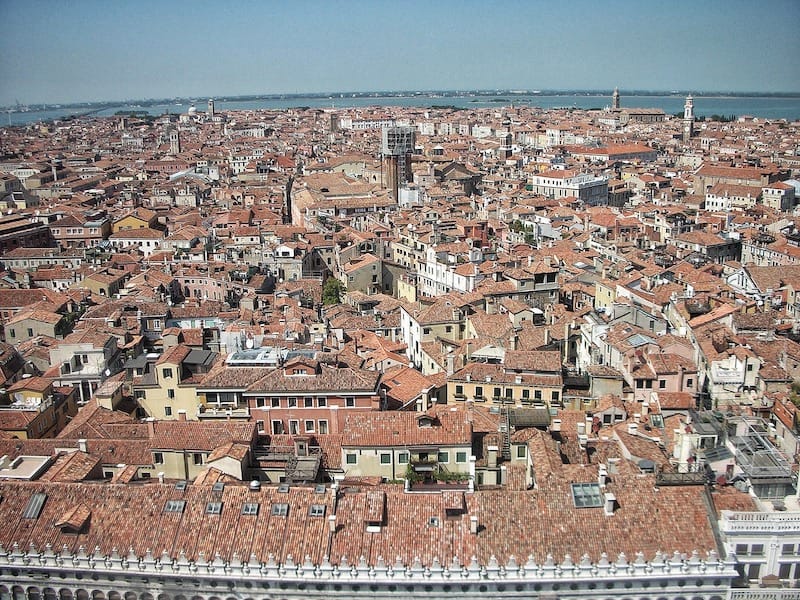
(59, 51)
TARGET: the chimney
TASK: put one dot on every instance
(161, 477)
(512, 341)
(602, 475)
(151, 427)
(581, 427)
(610, 502)
(633, 428)
(555, 425)
(181, 415)
(547, 336)
(332, 523)
(450, 363)
(473, 525)
(334, 424)
(82, 446)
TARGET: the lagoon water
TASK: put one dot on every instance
(704, 106)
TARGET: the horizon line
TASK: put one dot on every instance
(484, 91)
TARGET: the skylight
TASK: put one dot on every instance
(213, 508)
(280, 509)
(586, 495)
(174, 506)
(34, 507)
(316, 510)
(638, 339)
(250, 508)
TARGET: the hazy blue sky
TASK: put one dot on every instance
(63, 51)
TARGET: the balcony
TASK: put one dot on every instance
(725, 376)
(221, 412)
(763, 523)
(424, 462)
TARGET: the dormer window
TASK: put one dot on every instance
(425, 421)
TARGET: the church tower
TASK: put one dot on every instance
(688, 119)
(210, 112)
(174, 142)
(615, 99)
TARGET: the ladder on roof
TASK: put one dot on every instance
(505, 433)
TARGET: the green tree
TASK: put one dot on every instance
(332, 291)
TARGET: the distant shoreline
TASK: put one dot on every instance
(384, 95)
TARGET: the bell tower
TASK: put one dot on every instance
(688, 119)
(615, 99)
(174, 142)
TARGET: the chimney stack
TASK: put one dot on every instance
(151, 427)
(602, 476)
(82, 445)
(473, 525)
(181, 415)
(610, 502)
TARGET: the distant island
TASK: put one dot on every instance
(100, 105)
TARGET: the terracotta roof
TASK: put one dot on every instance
(387, 429)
